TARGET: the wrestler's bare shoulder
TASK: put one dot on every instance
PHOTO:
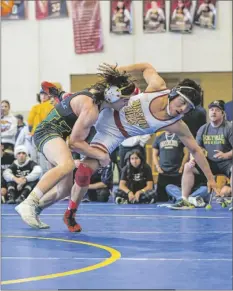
(158, 104)
(83, 102)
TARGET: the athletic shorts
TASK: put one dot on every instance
(107, 134)
(52, 127)
(219, 168)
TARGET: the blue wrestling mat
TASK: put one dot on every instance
(121, 247)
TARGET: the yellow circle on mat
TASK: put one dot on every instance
(115, 255)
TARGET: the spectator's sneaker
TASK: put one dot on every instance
(3, 199)
(224, 201)
(230, 209)
(152, 201)
(182, 205)
(27, 211)
(197, 201)
(118, 200)
(66, 198)
(220, 200)
(86, 198)
(20, 199)
(11, 200)
(69, 219)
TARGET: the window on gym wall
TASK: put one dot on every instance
(79, 82)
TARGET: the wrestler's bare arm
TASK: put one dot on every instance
(152, 78)
(184, 134)
(80, 131)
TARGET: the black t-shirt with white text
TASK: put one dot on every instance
(139, 180)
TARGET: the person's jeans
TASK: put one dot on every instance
(174, 192)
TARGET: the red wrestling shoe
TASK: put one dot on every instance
(69, 219)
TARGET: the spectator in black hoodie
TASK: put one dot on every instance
(21, 176)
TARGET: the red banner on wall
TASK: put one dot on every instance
(87, 29)
(46, 9)
(19, 11)
(205, 14)
(180, 15)
(154, 17)
(121, 16)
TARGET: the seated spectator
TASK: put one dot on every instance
(21, 176)
(101, 185)
(8, 127)
(136, 183)
(216, 139)
(169, 158)
(6, 160)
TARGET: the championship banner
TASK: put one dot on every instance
(121, 16)
(180, 16)
(88, 36)
(48, 9)
(154, 17)
(205, 14)
(18, 11)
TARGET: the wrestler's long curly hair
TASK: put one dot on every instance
(110, 76)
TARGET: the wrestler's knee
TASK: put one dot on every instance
(67, 167)
(83, 175)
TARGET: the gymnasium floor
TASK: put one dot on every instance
(121, 247)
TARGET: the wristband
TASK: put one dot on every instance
(129, 192)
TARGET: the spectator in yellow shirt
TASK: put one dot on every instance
(39, 111)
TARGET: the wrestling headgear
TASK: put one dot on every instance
(113, 93)
(191, 95)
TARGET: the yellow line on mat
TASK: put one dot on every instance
(115, 255)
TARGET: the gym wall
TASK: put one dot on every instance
(33, 51)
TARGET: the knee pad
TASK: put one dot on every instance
(83, 175)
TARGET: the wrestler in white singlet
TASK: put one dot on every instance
(113, 127)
